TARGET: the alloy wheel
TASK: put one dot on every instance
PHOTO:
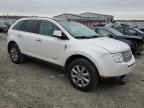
(14, 54)
(80, 75)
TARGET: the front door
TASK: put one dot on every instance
(48, 47)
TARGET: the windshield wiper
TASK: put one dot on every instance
(95, 36)
(88, 37)
(82, 37)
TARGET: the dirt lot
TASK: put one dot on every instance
(35, 84)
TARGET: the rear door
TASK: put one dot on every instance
(27, 36)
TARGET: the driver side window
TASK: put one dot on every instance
(120, 29)
(132, 32)
(103, 33)
(47, 28)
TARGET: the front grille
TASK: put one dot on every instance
(127, 56)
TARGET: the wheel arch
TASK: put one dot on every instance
(77, 56)
(10, 43)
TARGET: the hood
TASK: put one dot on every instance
(3, 26)
(111, 45)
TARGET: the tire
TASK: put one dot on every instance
(83, 75)
(15, 54)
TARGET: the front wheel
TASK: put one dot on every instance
(83, 75)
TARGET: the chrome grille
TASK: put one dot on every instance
(127, 56)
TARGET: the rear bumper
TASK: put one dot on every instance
(108, 68)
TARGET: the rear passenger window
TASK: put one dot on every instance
(18, 25)
(47, 28)
(31, 26)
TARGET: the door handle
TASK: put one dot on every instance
(38, 40)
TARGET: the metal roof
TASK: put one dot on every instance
(84, 16)
(89, 14)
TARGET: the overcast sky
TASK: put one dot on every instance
(121, 9)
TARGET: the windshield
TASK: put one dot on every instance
(117, 33)
(78, 30)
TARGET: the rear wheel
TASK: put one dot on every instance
(15, 54)
(83, 75)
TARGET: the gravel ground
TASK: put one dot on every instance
(35, 84)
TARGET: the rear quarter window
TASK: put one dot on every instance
(31, 26)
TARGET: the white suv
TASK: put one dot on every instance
(85, 55)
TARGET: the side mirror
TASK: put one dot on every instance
(110, 35)
(57, 33)
(136, 33)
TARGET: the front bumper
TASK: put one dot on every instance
(108, 68)
(138, 49)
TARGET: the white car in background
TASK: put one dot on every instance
(85, 55)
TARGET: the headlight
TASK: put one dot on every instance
(118, 57)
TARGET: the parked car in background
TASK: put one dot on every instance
(130, 31)
(9, 22)
(142, 30)
(136, 43)
(3, 27)
(84, 54)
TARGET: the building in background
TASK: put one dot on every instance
(133, 23)
(87, 18)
